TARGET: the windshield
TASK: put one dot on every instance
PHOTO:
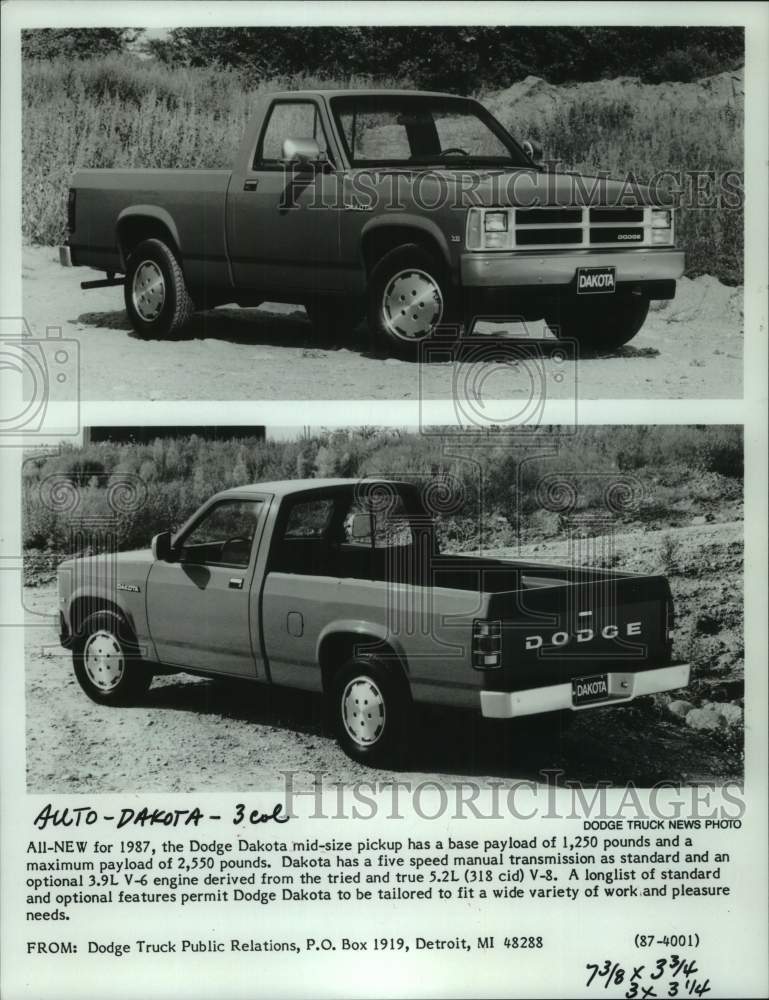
(384, 130)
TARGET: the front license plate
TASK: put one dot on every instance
(595, 280)
(587, 690)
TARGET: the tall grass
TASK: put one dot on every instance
(120, 112)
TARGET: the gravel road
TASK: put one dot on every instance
(195, 734)
(690, 348)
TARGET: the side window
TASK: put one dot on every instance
(309, 520)
(224, 536)
(290, 120)
(390, 525)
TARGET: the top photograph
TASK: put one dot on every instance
(310, 213)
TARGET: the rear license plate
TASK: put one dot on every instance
(587, 690)
(595, 280)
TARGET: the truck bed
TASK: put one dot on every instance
(104, 198)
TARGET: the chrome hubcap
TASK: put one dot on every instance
(363, 711)
(412, 305)
(104, 661)
(149, 290)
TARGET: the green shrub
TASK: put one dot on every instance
(684, 65)
(495, 486)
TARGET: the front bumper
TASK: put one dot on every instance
(65, 635)
(623, 687)
(559, 267)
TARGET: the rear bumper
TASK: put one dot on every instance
(559, 267)
(623, 687)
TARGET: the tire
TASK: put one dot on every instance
(333, 318)
(409, 274)
(377, 737)
(106, 661)
(156, 297)
(601, 325)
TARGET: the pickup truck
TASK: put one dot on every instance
(418, 209)
(339, 587)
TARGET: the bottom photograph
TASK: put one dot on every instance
(208, 608)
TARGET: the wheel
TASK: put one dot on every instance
(106, 661)
(599, 325)
(371, 711)
(156, 297)
(409, 295)
(333, 317)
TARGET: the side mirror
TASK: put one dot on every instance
(302, 152)
(533, 150)
(162, 550)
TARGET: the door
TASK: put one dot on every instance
(282, 224)
(200, 609)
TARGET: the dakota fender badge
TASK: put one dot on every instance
(133, 588)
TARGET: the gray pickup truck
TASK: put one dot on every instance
(338, 587)
(418, 209)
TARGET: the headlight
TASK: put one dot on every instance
(489, 229)
(495, 222)
(661, 226)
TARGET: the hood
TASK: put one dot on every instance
(103, 574)
(521, 188)
(134, 557)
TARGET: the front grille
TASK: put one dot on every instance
(624, 215)
(558, 237)
(545, 228)
(548, 216)
(627, 234)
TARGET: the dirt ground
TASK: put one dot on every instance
(689, 348)
(195, 734)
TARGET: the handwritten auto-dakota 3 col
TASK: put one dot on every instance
(339, 587)
(419, 209)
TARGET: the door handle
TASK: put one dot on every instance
(251, 185)
(236, 583)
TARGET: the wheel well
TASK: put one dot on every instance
(136, 228)
(340, 646)
(84, 607)
(380, 241)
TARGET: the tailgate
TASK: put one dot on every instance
(571, 624)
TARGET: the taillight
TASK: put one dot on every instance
(71, 210)
(670, 620)
(487, 644)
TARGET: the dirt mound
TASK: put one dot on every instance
(703, 299)
(540, 97)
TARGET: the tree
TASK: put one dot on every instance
(76, 43)
(458, 59)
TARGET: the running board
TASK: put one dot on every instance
(102, 283)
